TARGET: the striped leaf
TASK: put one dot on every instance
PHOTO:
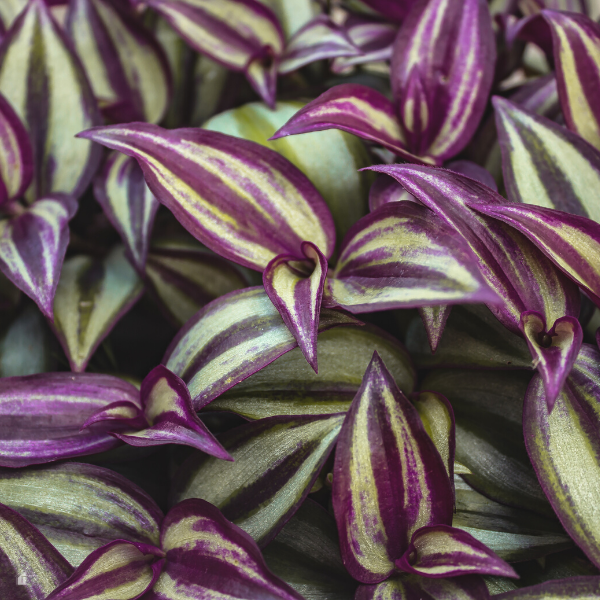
(576, 45)
(33, 246)
(554, 351)
(571, 242)
(119, 569)
(306, 555)
(91, 297)
(245, 202)
(443, 551)
(184, 277)
(209, 557)
(534, 7)
(288, 386)
(402, 256)
(573, 588)
(320, 39)
(434, 320)
(16, 154)
(46, 85)
(25, 553)
(230, 339)
(295, 287)
(530, 283)
(414, 587)
(388, 480)
(292, 14)
(9, 11)
(276, 462)
(330, 159)
(442, 72)
(553, 439)
(244, 35)
(356, 109)
(386, 189)
(128, 204)
(545, 164)
(80, 507)
(41, 416)
(125, 65)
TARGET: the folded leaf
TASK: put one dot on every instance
(442, 72)
(474, 171)
(386, 189)
(30, 565)
(288, 386)
(80, 507)
(125, 65)
(573, 588)
(402, 256)
(554, 351)
(576, 44)
(276, 462)
(443, 551)
(232, 32)
(530, 283)
(16, 154)
(295, 287)
(545, 164)
(129, 205)
(553, 439)
(231, 338)
(209, 557)
(49, 91)
(167, 407)
(320, 39)
(356, 109)
(245, 202)
(90, 298)
(41, 416)
(388, 480)
(33, 245)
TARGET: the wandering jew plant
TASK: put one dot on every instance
(299, 300)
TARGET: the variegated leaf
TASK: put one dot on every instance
(46, 85)
(573, 588)
(9, 11)
(402, 256)
(125, 65)
(30, 566)
(292, 14)
(434, 320)
(33, 245)
(388, 480)
(276, 462)
(209, 557)
(80, 507)
(245, 202)
(230, 339)
(244, 35)
(545, 164)
(288, 386)
(128, 204)
(91, 297)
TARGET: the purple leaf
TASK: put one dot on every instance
(41, 415)
(231, 338)
(25, 552)
(244, 201)
(573, 588)
(129, 205)
(443, 551)
(16, 154)
(386, 189)
(112, 569)
(209, 557)
(51, 95)
(126, 66)
(392, 9)
(576, 44)
(554, 438)
(388, 480)
(243, 35)
(474, 171)
(434, 319)
(33, 245)
(442, 72)
(167, 407)
(554, 352)
(295, 287)
(403, 256)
